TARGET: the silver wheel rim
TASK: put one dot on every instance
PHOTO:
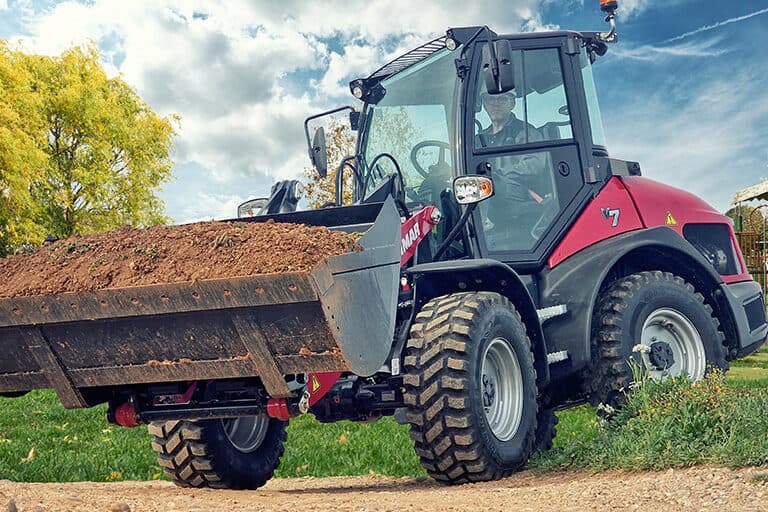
(669, 326)
(246, 433)
(501, 389)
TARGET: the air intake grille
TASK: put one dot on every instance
(755, 311)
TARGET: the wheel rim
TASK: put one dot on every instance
(501, 389)
(246, 433)
(667, 327)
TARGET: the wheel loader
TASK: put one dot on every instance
(507, 267)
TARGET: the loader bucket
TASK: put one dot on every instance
(340, 316)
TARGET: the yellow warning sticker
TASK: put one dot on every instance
(315, 384)
(671, 220)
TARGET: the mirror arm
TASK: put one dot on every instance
(455, 231)
(340, 177)
(492, 52)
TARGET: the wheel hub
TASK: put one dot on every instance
(501, 389)
(489, 390)
(246, 433)
(661, 355)
(675, 345)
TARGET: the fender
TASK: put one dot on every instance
(577, 282)
(445, 277)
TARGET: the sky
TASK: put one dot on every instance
(684, 92)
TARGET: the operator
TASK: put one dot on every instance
(505, 129)
(525, 170)
(522, 179)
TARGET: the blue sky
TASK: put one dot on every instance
(685, 92)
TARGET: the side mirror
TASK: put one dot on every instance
(498, 70)
(472, 189)
(318, 153)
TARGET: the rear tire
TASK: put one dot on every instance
(470, 388)
(222, 454)
(660, 311)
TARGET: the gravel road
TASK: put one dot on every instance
(694, 489)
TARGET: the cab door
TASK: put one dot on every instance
(529, 139)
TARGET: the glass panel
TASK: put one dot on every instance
(524, 204)
(412, 123)
(593, 107)
(537, 110)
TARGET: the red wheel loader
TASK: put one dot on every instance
(509, 267)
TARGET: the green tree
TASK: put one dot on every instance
(751, 218)
(94, 154)
(21, 156)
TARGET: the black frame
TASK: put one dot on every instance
(568, 46)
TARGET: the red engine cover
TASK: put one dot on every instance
(634, 202)
(662, 205)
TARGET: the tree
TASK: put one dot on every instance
(751, 218)
(93, 154)
(20, 153)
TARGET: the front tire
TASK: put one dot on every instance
(470, 388)
(670, 322)
(240, 453)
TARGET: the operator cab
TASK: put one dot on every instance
(428, 118)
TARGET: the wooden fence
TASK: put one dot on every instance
(753, 248)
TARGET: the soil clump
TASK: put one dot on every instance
(169, 254)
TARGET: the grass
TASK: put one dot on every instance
(676, 423)
(720, 421)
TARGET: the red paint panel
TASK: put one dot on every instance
(415, 229)
(318, 384)
(662, 205)
(609, 214)
(656, 202)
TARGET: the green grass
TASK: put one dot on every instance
(723, 421)
(42, 442)
(676, 423)
(347, 448)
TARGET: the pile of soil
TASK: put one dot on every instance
(169, 254)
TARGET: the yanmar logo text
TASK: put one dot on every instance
(410, 238)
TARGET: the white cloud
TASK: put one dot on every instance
(710, 47)
(3, 5)
(226, 67)
(356, 60)
(207, 206)
(722, 23)
(632, 8)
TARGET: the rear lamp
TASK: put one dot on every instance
(472, 189)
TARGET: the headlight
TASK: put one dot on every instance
(472, 189)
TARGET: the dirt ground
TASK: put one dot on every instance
(694, 489)
(169, 254)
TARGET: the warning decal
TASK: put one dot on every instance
(315, 384)
(671, 220)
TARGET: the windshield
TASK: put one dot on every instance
(413, 124)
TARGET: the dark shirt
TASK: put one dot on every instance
(514, 132)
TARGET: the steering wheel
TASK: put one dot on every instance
(442, 146)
